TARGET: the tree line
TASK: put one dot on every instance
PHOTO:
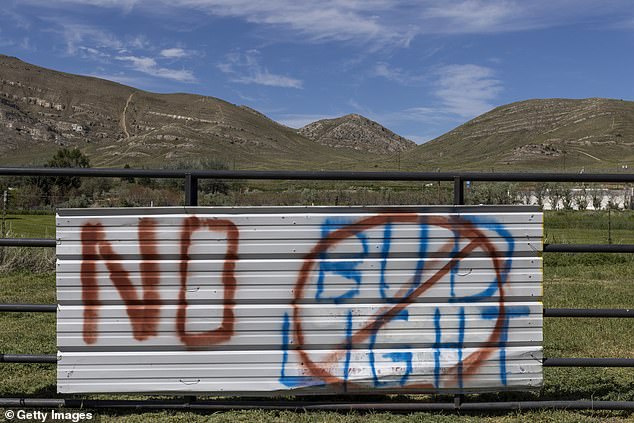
(47, 193)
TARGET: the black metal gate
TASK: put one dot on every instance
(191, 179)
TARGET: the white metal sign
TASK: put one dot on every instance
(299, 300)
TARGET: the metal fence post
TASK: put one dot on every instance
(458, 191)
(4, 211)
(191, 190)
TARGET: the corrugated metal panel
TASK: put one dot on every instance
(299, 300)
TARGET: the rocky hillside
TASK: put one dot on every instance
(356, 132)
(41, 110)
(560, 134)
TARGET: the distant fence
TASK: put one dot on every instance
(458, 179)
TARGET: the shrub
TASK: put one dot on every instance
(28, 259)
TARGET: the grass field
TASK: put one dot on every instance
(31, 225)
(580, 280)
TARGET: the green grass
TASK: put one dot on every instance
(320, 417)
(570, 280)
(590, 227)
(31, 225)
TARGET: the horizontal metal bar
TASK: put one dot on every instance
(28, 358)
(222, 405)
(589, 248)
(548, 248)
(588, 362)
(27, 242)
(26, 308)
(322, 175)
(94, 172)
(588, 312)
(548, 362)
(33, 402)
(548, 312)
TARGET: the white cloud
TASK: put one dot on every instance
(461, 92)
(327, 20)
(429, 115)
(149, 66)
(383, 22)
(368, 21)
(360, 108)
(126, 5)
(144, 64)
(81, 35)
(475, 15)
(269, 79)
(467, 90)
(139, 42)
(396, 74)
(92, 53)
(12, 18)
(245, 68)
(384, 70)
(301, 120)
(122, 79)
(174, 53)
(92, 41)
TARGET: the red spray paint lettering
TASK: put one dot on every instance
(225, 331)
(144, 313)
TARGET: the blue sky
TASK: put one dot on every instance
(420, 67)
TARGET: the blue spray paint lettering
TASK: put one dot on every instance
(385, 253)
(292, 381)
(346, 367)
(420, 264)
(493, 313)
(405, 357)
(346, 269)
(456, 264)
(439, 345)
(491, 224)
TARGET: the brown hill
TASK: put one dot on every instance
(42, 109)
(356, 132)
(560, 134)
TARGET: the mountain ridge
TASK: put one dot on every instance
(42, 109)
(357, 132)
(554, 133)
